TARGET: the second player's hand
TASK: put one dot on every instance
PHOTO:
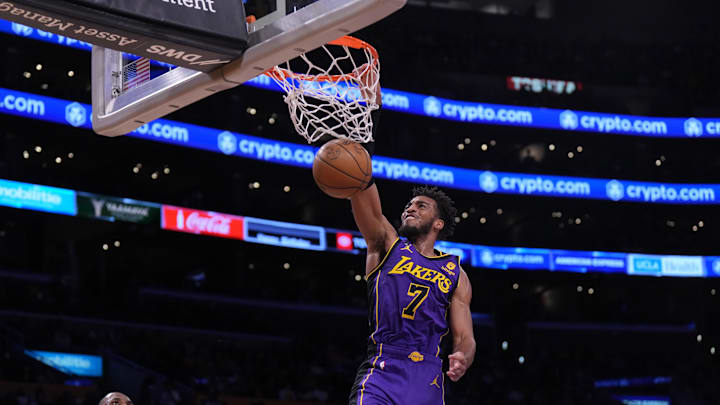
(458, 366)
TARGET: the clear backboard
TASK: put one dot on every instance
(128, 92)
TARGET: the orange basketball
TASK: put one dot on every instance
(342, 168)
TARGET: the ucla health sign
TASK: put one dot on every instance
(37, 198)
(70, 363)
(674, 266)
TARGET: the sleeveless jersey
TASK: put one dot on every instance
(409, 296)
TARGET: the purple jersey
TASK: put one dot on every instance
(409, 296)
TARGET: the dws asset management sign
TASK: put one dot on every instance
(197, 34)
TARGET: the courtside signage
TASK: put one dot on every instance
(37, 198)
(510, 258)
(117, 209)
(344, 241)
(70, 363)
(585, 262)
(641, 400)
(233, 144)
(201, 222)
(284, 234)
(310, 237)
(482, 113)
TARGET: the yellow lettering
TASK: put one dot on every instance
(444, 285)
(428, 274)
(438, 276)
(417, 270)
(400, 268)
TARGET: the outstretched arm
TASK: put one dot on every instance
(462, 329)
(375, 228)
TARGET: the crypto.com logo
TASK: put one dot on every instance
(716, 266)
(227, 143)
(693, 127)
(488, 182)
(615, 190)
(22, 30)
(432, 107)
(486, 257)
(75, 114)
(568, 120)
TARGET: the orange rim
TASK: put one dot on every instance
(350, 42)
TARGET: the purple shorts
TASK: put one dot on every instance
(398, 376)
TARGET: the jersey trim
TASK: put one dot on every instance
(362, 391)
(377, 307)
(443, 388)
(444, 334)
(440, 256)
(382, 262)
(457, 283)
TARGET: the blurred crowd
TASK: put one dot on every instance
(177, 366)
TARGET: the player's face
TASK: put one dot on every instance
(418, 217)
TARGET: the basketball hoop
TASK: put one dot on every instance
(337, 92)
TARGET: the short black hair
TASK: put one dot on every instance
(445, 204)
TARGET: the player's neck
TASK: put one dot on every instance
(424, 244)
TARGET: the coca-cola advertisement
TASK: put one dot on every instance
(202, 222)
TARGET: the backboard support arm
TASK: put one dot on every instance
(270, 45)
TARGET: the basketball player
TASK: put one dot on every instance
(416, 294)
(115, 398)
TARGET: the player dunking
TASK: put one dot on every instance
(417, 295)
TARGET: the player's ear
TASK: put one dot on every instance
(438, 224)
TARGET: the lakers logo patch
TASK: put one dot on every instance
(416, 357)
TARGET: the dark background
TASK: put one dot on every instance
(184, 319)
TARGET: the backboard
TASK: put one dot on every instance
(282, 30)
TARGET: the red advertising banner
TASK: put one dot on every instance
(202, 222)
(344, 241)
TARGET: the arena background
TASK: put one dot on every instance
(178, 317)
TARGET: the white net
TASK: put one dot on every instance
(336, 93)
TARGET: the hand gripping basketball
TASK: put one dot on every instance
(342, 168)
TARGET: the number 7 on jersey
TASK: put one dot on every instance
(419, 292)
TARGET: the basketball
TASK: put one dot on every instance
(342, 168)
